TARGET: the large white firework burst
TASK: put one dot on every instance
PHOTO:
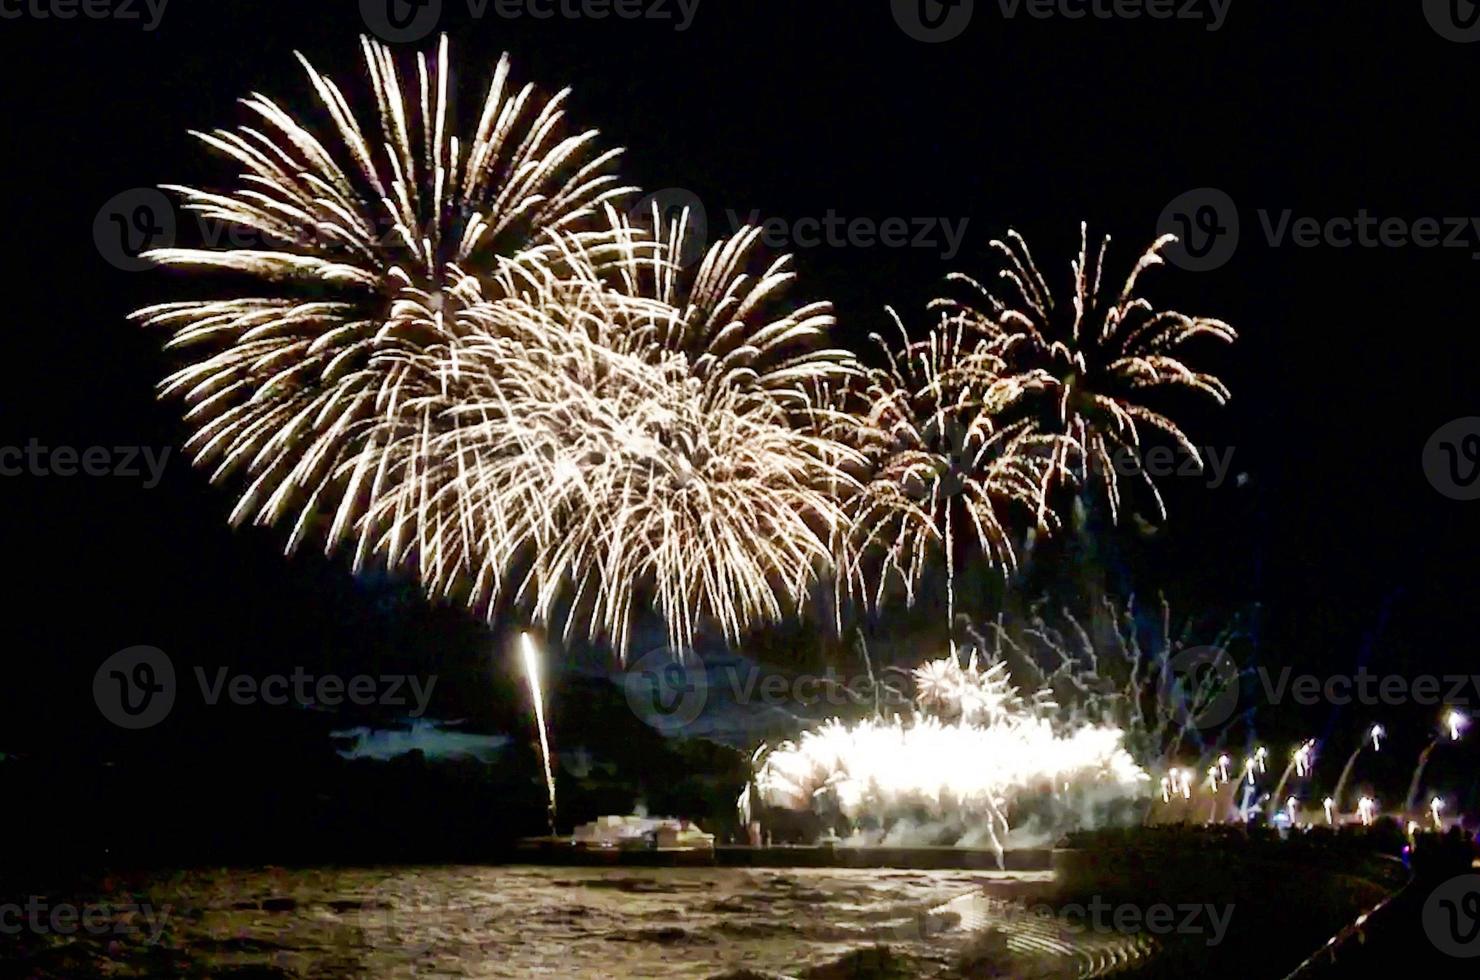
(949, 464)
(1093, 357)
(368, 242)
(646, 443)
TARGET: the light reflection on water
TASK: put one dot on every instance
(477, 922)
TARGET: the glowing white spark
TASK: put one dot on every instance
(1091, 358)
(532, 672)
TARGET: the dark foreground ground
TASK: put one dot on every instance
(1230, 916)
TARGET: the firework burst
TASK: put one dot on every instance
(945, 469)
(646, 442)
(1093, 358)
(368, 247)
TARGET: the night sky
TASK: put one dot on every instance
(1349, 358)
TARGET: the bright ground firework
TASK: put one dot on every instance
(960, 769)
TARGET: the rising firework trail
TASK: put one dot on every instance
(1300, 763)
(1374, 735)
(531, 661)
(1454, 724)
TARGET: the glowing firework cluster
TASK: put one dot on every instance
(464, 363)
(459, 358)
(1241, 799)
(970, 756)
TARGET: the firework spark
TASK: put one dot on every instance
(1092, 358)
(367, 248)
(944, 469)
(646, 445)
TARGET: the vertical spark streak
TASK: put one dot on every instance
(532, 672)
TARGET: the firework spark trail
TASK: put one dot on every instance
(652, 443)
(1300, 763)
(462, 371)
(943, 470)
(371, 250)
(1092, 358)
(1374, 735)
